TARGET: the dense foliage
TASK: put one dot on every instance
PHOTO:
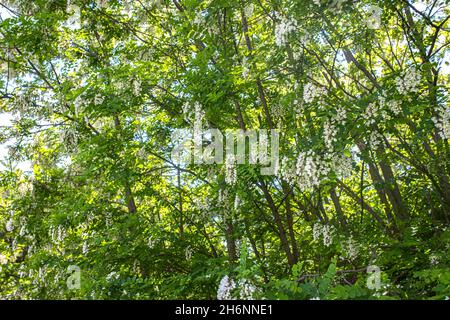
(358, 91)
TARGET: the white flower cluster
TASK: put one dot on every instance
(23, 230)
(311, 92)
(329, 133)
(70, 139)
(85, 248)
(98, 99)
(442, 121)
(74, 20)
(119, 85)
(375, 139)
(317, 231)
(230, 169)
(371, 113)
(245, 68)
(382, 110)
(237, 203)
(283, 29)
(309, 169)
(324, 231)
(287, 171)
(9, 225)
(248, 10)
(330, 129)
(112, 276)
(342, 165)
(350, 248)
(392, 105)
(137, 87)
(22, 104)
(3, 259)
(150, 243)
(195, 114)
(434, 259)
(408, 81)
(246, 290)
(199, 18)
(57, 235)
(341, 114)
(227, 286)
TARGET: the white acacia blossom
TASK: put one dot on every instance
(434, 259)
(442, 121)
(98, 99)
(324, 231)
(371, 113)
(311, 92)
(9, 225)
(137, 87)
(85, 248)
(199, 18)
(375, 139)
(246, 290)
(248, 10)
(393, 106)
(342, 165)
(283, 29)
(317, 231)
(341, 114)
(350, 248)
(226, 286)
(329, 132)
(408, 81)
(230, 169)
(327, 233)
(310, 168)
(382, 110)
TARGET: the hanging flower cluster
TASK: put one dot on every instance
(393, 106)
(324, 231)
(311, 92)
(227, 286)
(246, 290)
(69, 138)
(442, 121)
(230, 169)
(375, 139)
(342, 165)
(283, 29)
(350, 248)
(382, 110)
(310, 168)
(137, 87)
(9, 225)
(99, 99)
(408, 81)
(22, 103)
(248, 10)
(330, 128)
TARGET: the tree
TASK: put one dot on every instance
(101, 91)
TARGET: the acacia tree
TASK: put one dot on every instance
(358, 91)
